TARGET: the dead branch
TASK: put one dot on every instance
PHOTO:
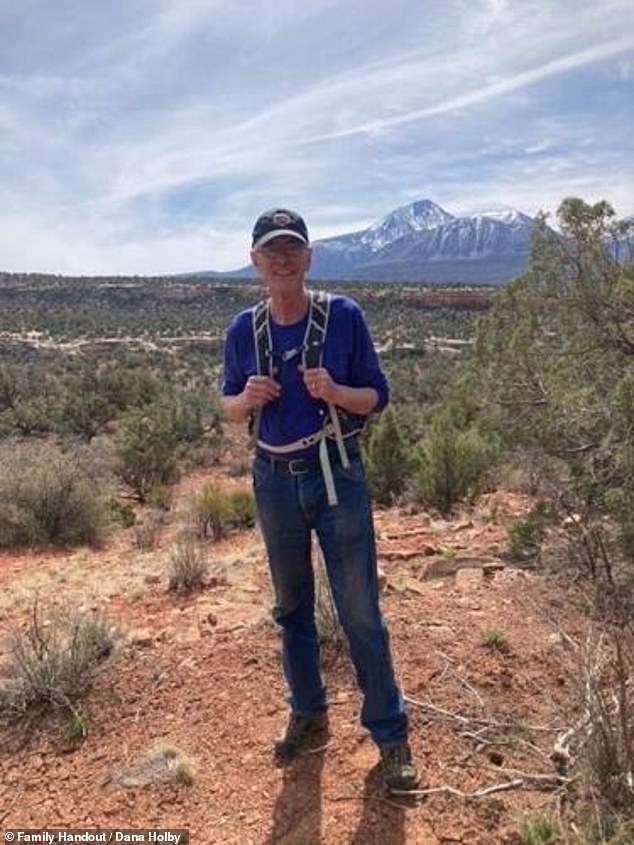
(412, 532)
(476, 720)
(528, 781)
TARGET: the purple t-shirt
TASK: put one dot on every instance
(348, 355)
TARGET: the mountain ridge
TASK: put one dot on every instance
(422, 242)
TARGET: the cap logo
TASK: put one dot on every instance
(281, 218)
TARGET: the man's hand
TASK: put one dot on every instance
(320, 385)
(259, 390)
(357, 400)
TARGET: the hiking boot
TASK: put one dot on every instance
(398, 769)
(301, 734)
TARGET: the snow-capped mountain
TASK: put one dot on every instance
(406, 220)
(423, 242)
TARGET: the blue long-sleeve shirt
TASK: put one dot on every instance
(348, 355)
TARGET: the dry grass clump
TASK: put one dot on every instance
(188, 567)
(53, 662)
(326, 617)
(598, 748)
(49, 496)
(161, 764)
(148, 529)
(608, 697)
(215, 511)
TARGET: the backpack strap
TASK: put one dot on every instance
(261, 322)
(312, 356)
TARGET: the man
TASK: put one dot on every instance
(304, 481)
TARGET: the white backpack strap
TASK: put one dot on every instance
(261, 323)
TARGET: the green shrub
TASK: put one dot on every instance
(85, 413)
(53, 662)
(451, 464)
(49, 496)
(147, 530)
(160, 498)
(212, 511)
(495, 640)
(27, 417)
(77, 729)
(121, 512)
(242, 504)
(526, 535)
(187, 413)
(188, 567)
(524, 538)
(388, 459)
(538, 830)
(147, 453)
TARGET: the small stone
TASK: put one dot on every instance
(468, 579)
(443, 633)
(141, 637)
(461, 526)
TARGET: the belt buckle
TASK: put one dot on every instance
(297, 471)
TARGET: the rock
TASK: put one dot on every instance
(152, 578)
(468, 579)
(141, 637)
(461, 526)
(439, 568)
(428, 550)
(215, 581)
(383, 582)
(411, 585)
(443, 633)
(189, 635)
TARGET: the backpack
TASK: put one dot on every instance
(339, 424)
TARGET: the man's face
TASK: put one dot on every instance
(282, 262)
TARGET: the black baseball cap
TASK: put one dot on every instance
(276, 222)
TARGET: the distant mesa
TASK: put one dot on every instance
(423, 242)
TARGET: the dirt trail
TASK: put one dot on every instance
(203, 674)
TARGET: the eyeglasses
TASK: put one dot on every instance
(293, 249)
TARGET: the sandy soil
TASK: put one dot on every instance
(202, 674)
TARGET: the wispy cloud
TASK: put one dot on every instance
(147, 138)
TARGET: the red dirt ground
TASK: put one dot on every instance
(203, 674)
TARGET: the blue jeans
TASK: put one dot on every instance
(289, 506)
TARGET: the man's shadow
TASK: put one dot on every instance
(382, 819)
(297, 811)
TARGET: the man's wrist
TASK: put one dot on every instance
(338, 394)
(245, 405)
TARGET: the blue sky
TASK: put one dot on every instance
(144, 136)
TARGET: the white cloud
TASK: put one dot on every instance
(153, 144)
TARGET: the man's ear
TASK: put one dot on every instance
(255, 259)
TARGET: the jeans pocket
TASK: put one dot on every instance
(354, 472)
(261, 471)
